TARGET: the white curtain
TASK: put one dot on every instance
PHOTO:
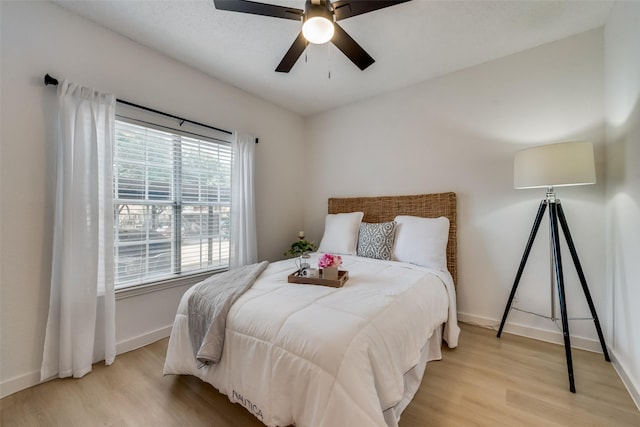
(244, 245)
(81, 323)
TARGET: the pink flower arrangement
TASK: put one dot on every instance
(329, 260)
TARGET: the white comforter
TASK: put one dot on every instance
(320, 356)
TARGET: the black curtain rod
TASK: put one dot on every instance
(49, 80)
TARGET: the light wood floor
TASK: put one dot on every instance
(512, 381)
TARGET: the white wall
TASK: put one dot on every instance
(622, 88)
(39, 38)
(459, 133)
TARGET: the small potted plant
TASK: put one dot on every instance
(301, 246)
(301, 249)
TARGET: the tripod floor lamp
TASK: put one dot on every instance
(550, 166)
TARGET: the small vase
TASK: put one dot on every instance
(330, 273)
(303, 262)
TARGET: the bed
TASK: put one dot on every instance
(309, 355)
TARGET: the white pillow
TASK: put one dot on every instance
(341, 233)
(422, 241)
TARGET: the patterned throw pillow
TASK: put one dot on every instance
(376, 240)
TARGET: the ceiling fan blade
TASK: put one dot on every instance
(292, 55)
(347, 8)
(350, 48)
(256, 8)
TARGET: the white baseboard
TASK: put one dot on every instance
(529, 332)
(633, 389)
(142, 340)
(21, 382)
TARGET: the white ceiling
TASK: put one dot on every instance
(411, 42)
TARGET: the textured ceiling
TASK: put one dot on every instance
(411, 42)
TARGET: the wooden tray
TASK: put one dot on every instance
(343, 276)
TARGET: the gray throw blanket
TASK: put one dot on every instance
(209, 304)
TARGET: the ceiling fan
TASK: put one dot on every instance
(319, 24)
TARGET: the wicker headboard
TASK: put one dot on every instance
(386, 208)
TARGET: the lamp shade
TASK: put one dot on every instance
(555, 165)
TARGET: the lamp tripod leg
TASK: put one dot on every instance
(523, 262)
(553, 212)
(583, 280)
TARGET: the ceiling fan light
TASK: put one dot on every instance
(317, 29)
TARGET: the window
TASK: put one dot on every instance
(172, 194)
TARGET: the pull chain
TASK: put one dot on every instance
(306, 42)
(329, 47)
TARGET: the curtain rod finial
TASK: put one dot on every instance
(48, 80)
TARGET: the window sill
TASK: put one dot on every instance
(146, 288)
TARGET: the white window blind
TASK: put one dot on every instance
(172, 194)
